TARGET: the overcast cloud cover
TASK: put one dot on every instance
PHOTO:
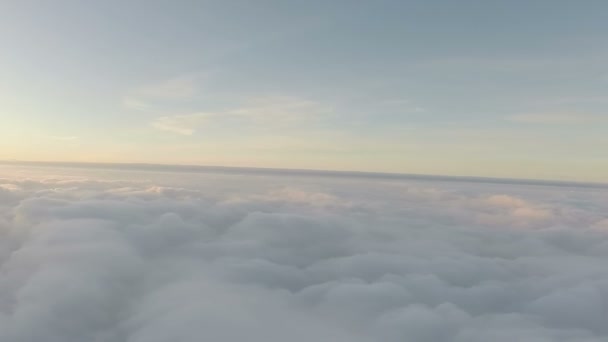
(162, 257)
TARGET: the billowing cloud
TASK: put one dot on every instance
(145, 256)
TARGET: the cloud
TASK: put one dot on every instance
(180, 87)
(136, 104)
(267, 111)
(403, 104)
(181, 124)
(280, 108)
(556, 118)
(397, 102)
(64, 138)
(145, 97)
(124, 256)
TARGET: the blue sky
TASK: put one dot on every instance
(480, 88)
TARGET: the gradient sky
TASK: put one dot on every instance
(480, 88)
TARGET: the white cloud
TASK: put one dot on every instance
(267, 111)
(179, 88)
(280, 108)
(404, 104)
(136, 104)
(64, 138)
(143, 256)
(557, 118)
(181, 124)
(397, 102)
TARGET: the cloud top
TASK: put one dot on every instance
(130, 257)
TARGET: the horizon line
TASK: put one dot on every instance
(192, 168)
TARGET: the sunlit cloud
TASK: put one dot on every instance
(179, 88)
(557, 118)
(266, 256)
(267, 110)
(176, 88)
(404, 105)
(181, 124)
(64, 138)
(136, 104)
(396, 102)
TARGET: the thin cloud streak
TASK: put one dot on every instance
(273, 111)
(557, 118)
(180, 88)
(64, 138)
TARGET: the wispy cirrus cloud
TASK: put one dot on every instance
(177, 88)
(268, 110)
(136, 104)
(405, 104)
(557, 118)
(64, 138)
(181, 124)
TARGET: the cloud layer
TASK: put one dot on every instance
(130, 257)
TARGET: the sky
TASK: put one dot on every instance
(477, 88)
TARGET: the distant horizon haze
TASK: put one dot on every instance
(194, 168)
